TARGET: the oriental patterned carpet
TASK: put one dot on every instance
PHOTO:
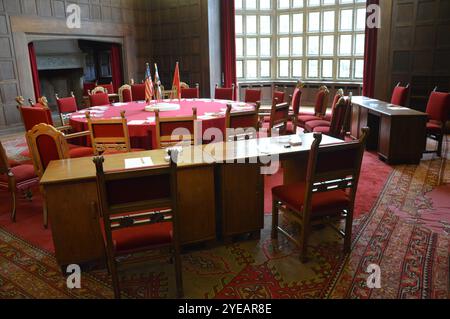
(406, 233)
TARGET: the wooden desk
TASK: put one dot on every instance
(216, 192)
(397, 133)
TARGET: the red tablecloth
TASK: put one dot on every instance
(142, 135)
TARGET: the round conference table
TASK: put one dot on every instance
(141, 123)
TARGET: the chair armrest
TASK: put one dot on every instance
(64, 128)
(76, 135)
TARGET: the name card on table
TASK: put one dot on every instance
(131, 163)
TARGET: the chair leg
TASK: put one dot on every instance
(304, 233)
(13, 211)
(440, 142)
(115, 279)
(45, 211)
(275, 213)
(348, 232)
(178, 272)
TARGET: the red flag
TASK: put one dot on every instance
(176, 86)
(149, 93)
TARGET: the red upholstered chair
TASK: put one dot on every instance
(400, 95)
(191, 93)
(139, 214)
(336, 129)
(88, 86)
(241, 125)
(310, 125)
(125, 94)
(110, 136)
(99, 98)
(16, 178)
(252, 96)
(224, 93)
(279, 118)
(320, 108)
(66, 106)
(166, 126)
(438, 109)
(296, 99)
(48, 144)
(279, 95)
(138, 92)
(327, 195)
(109, 88)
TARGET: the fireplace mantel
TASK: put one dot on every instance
(61, 61)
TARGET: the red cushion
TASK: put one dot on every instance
(280, 96)
(24, 175)
(252, 96)
(108, 87)
(12, 163)
(99, 99)
(438, 106)
(399, 95)
(319, 102)
(434, 128)
(67, 105)
(81, 151)
(302, 119)
(322, 129)
(323, 204)
(138, 92)
(311, 125)
(88, 87)
(192, 93)
(224, 94)
(127, 96)
(140, 237)
(33, 116)
(296, 99)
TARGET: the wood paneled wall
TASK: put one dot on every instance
(418, 49)
(124, 21)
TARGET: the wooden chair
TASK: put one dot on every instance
(88, 86)
(279, 118)
(320, 108)
(108, 87)
(20, 178)
(280, 95)
(166, 126)
(310, 125)
(296, 99)
(99, 89)
(241, 125)
(138, 92)
(438, 110)
(252, 96)
(327, 195)
(224, 93)
(125, 94)
(99, 97)
(110, 136)
(66, 106)
(48, 144)
(124, 197)
(400, 95)
(190, 93)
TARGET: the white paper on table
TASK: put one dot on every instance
(119, 104)
(131, 163)
(206, 117)
(151, 119)
(78, 116)
(137, 122)
(99, 108)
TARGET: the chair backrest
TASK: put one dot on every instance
(438, 107)
(46, 144)
(32, 116)
(4, 164)
(98, 90)
(99, 99)
(138, 92)
(320, 107)
(88, 86)
(400, 95)
(296, 100)
(337, 97)
(252, 96)
(124, 196)
(245, 120)
(334, 167)
(66, 104)
(279, 113)
(280, 96)
(166, 126)
(125, 94)
(111, 134)
(191, 93)
(224, 93)
(109, 88)
(184, 85)
(339, 116)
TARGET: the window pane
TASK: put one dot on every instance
(250, 4)
(297, 68)
(297, 3)
(328, 21)
(264, 4)
(251, 24)
(313, 68)
(283, 48)
(265, 47)
(328, 45)
(344, 69)
(297, 23)
(361, 19)
(265, 69)
(297, 46)
(284, 23)
(284, 68)
(239, 47)
(359, 44)
(251, 47)
(328, 2)
(359, 69)
(251, 69)
(312, 3)
(313, 45)
(283, 4)
(239, 72)
(346, 20)
(238, 24)
(238, 4)
(314, 21)
(265, 26)
(327, 68)
(346, 1)
(345, 44)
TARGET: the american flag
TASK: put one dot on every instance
(149, 92)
